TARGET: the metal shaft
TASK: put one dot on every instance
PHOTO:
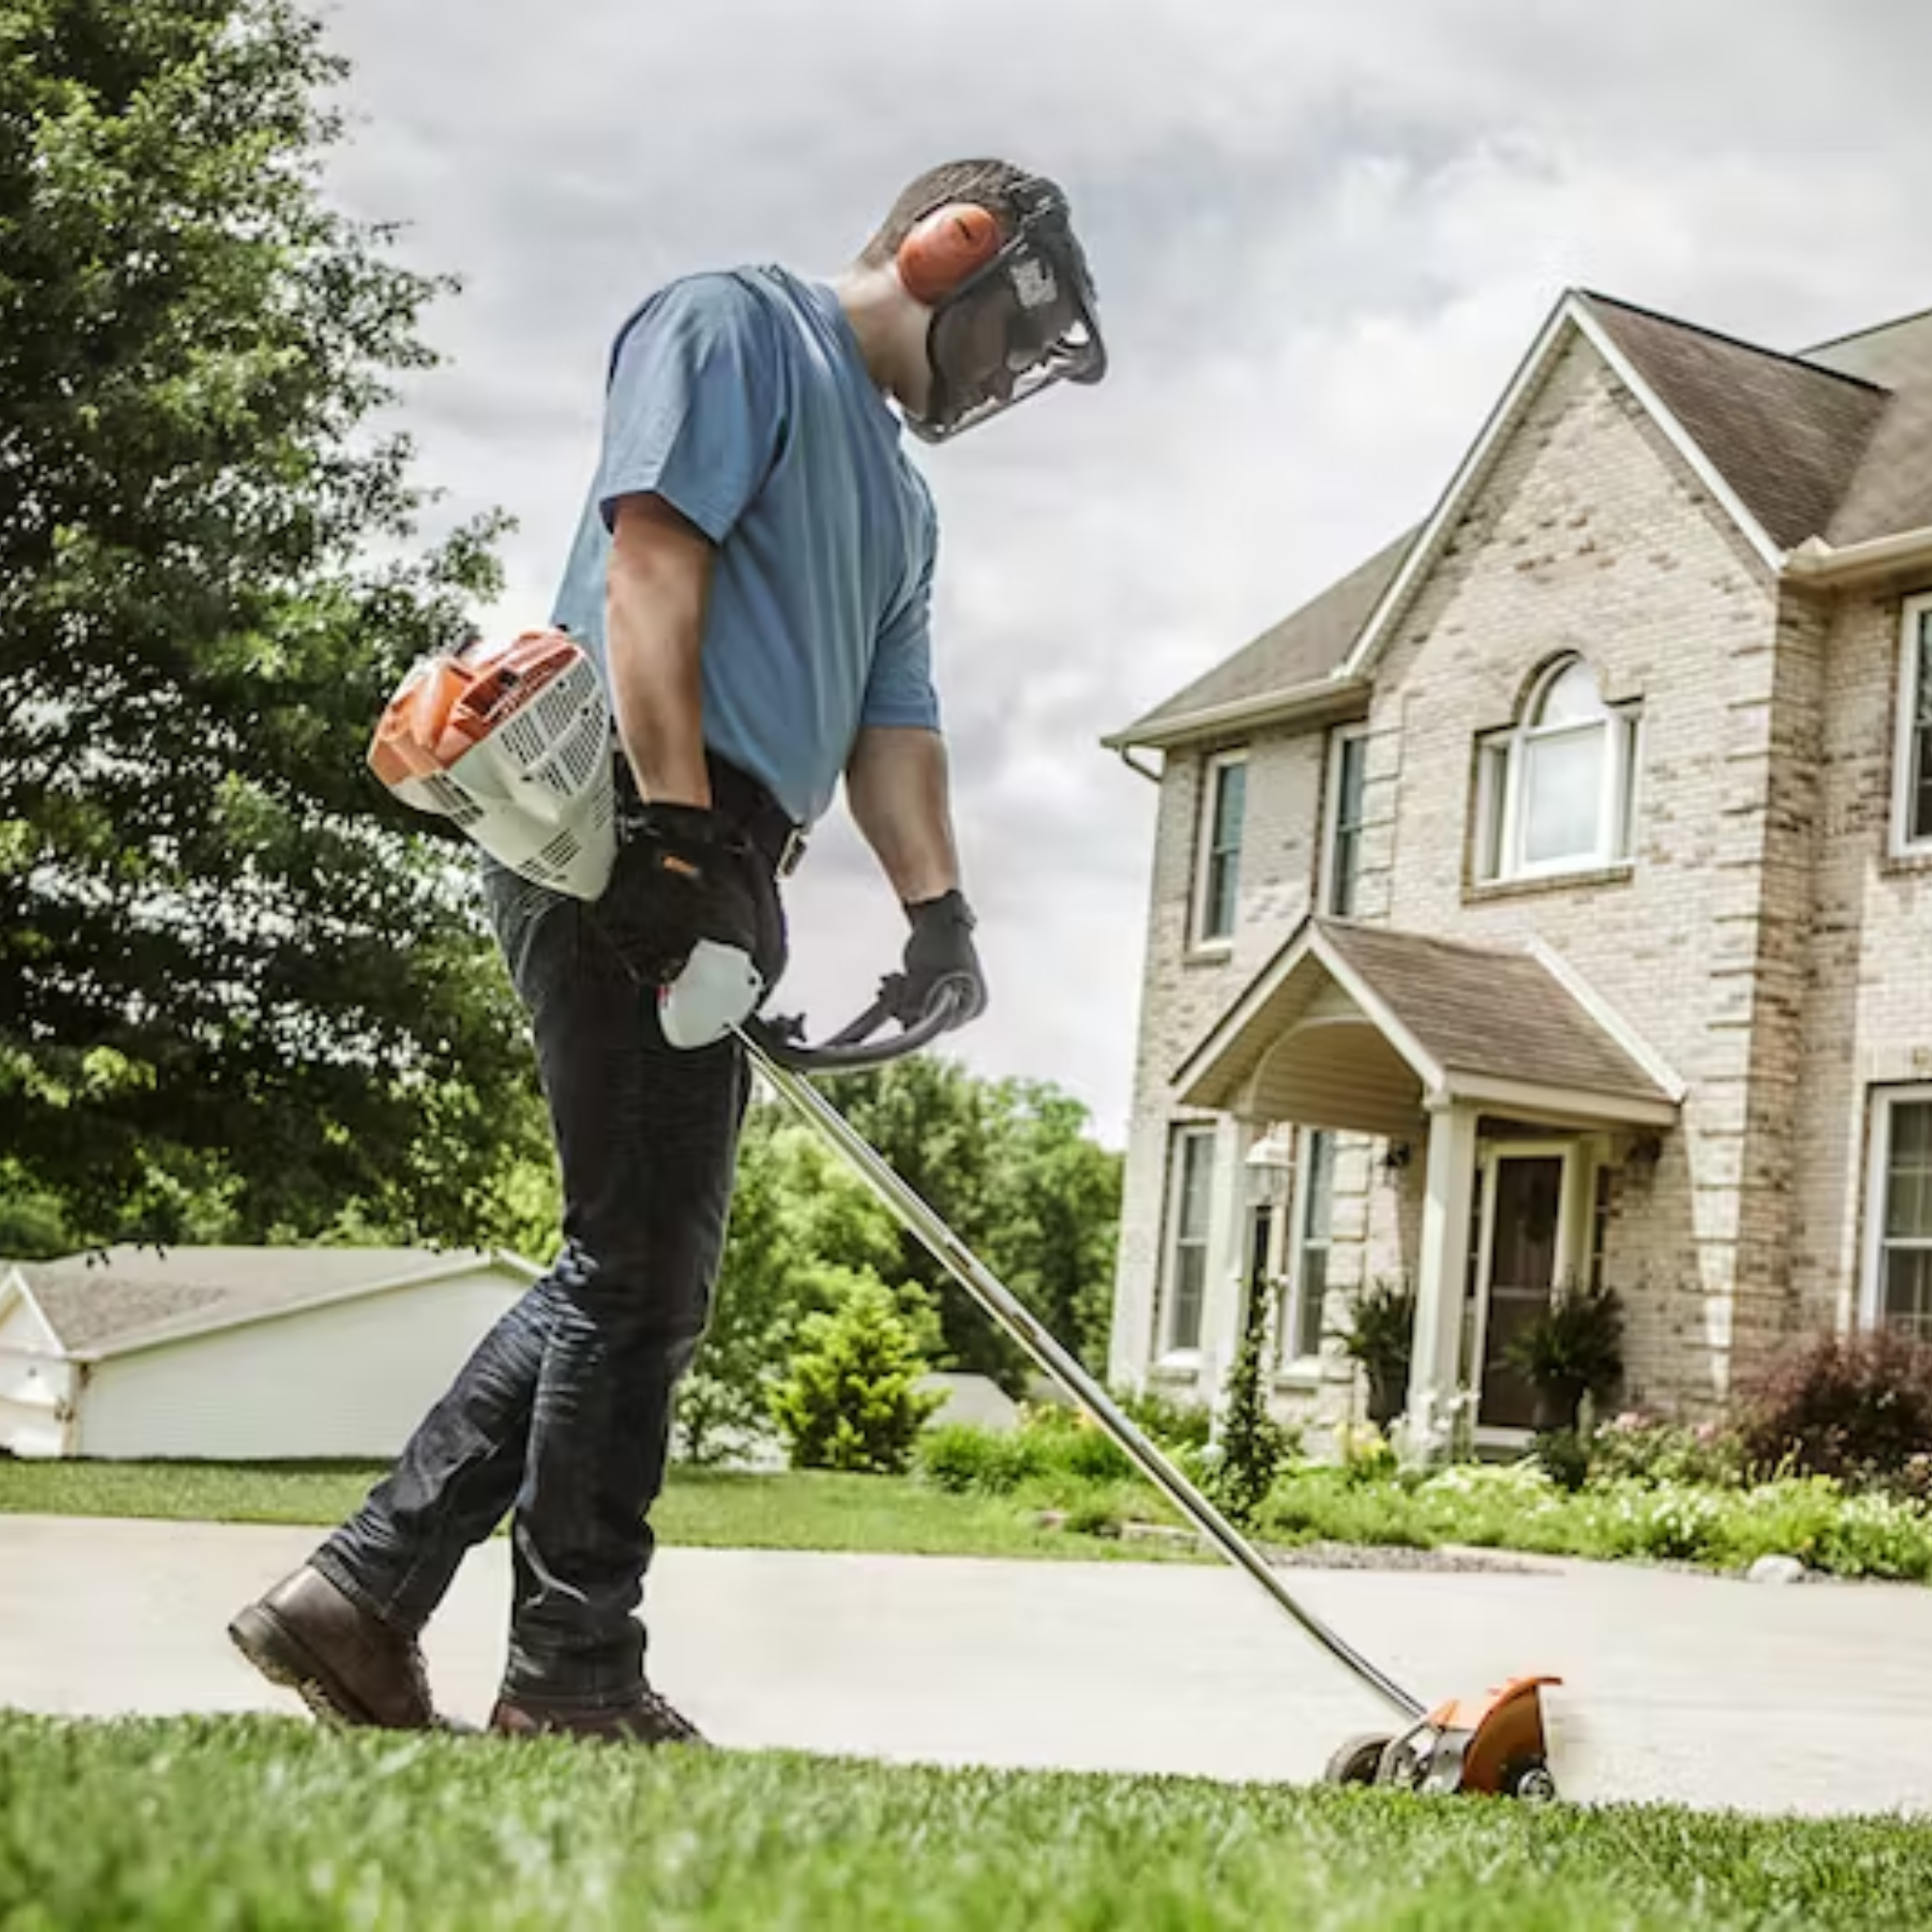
(999, 1302)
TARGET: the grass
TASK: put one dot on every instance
(701, 1509)
(203, 1825)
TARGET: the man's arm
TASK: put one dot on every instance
(657, 587)
(897, 784)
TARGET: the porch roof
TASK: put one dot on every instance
(1364, 1027)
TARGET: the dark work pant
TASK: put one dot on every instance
(562, 1415)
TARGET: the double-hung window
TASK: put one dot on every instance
(1218, 872)
(1313, 1229)
(1901, 1291)
(1348, 788)
(1190, 1211)
(1556, 793)
(1912, 808)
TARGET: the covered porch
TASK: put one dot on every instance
(1498, 1072)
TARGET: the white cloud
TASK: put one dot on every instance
(1324, 237)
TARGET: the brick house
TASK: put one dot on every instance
(1551, 898)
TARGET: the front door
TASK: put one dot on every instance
(1525, 1228)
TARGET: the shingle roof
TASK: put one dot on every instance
(1301, 649)
(124, 1297)
(1483, 1010)
(1892, 489)
(1788, 436)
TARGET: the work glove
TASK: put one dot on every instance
(683, 873)
(939, 952)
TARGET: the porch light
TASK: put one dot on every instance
(1270, 1162)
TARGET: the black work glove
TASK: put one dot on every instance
(683, 873)
(940, 951)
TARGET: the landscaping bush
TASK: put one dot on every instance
(1069, 1443)
(1169, 1424)
(1643, 1448)
(964, 1458)
(851, 1401)
(1854, 1406)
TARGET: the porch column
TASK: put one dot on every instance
(1442, 1279)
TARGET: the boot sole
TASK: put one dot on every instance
(283, 1658)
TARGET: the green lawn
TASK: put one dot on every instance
(201, 1825)
(699, 1509)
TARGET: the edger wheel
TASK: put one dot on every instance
(1528, 1778)
(1358, 1760)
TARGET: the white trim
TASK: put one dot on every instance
(1822, 562)
(1562, 1106)
(1706, 471)
(1166, 1354)
(15, 1286)
(1331, 818)
(1569, 312)
(1489, 1158)
(1207, 811)
(1529, 376)
(1915, 615)
(1885, 1103)
(1331, 693)
(1502, 812)
(1295, 1241)
(1607, 1018)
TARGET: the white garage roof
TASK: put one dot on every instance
(115, 1300)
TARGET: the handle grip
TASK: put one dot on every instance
(854, 1048)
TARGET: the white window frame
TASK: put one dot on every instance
(1201, 939)
(1180, 1138)
(1298, 1244)
(1886, 1102)
(1343, 736)
(1500, 822)
(1918, 615)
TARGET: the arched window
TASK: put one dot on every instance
(1555, 792)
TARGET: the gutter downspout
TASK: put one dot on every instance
(1126, 757)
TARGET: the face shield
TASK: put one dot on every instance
(1027, 320)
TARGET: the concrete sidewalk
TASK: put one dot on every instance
(1712, 1693)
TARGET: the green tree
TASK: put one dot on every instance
(796, 1213)
(851, 1400)
(1008, 1166)
(234, 975)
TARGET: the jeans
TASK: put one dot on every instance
(562, 1415)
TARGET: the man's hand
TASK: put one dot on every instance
(940, 953)
(682, 875)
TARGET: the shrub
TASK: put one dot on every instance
(1069, 1441)
(1564, 1456)
(1858, 1408)
(962, 1457)
(1646, 1449)
(851, 1400)
(1169, 1424)
(1253, 1445)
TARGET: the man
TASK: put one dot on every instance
(753, 573)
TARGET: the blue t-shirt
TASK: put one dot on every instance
(742, 400)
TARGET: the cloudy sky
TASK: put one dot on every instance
(1324, 237)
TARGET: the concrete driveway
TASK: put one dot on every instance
(1718, 1694)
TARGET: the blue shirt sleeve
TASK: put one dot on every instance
(694, 413)
(898, 689)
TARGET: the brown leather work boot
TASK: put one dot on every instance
(646, 1720)
(344, 1662)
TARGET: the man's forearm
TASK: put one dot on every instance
(897, 784)
(655, 596)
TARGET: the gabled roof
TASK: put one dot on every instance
(1892, 489)
(1813, 457)
(124, 1299)
(1299, 651)
(1483, 1024)
(1787, 436)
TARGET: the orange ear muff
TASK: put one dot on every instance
(948, 245)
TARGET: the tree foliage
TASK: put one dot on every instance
(233, 977)
(1008, 1166)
